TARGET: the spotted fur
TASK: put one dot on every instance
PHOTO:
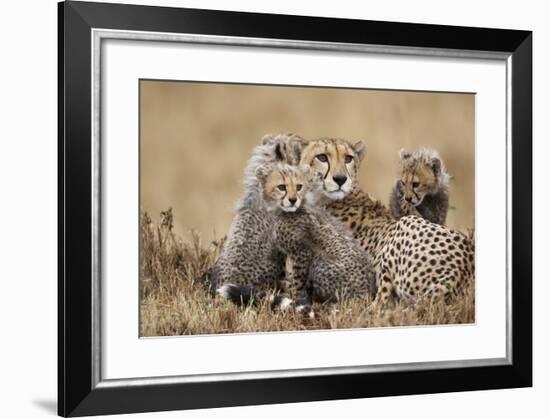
(423, 187)
(324, 261)
(248, 256)
(411, 256)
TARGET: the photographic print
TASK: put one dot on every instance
(338, 185)
(290, 208)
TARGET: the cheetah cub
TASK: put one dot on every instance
(323, 260)
(423, 189)
(248, 258)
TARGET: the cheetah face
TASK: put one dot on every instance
(284, 186)
(337, 161)
(421, 175)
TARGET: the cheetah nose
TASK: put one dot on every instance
(409, 199)
(339, 179)
(292, 200)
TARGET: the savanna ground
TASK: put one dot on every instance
(174, 301)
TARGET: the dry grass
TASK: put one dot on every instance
(175, 302)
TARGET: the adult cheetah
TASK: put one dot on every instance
(411, 256)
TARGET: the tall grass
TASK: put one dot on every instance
(174, 301)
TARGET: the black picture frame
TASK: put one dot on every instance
(77, 393)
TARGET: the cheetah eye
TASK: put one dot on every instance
(415, 184)
(322, 157)
(281, 187)
(298, 187)
(349, 159)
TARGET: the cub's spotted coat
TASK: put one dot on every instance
(248, 256)
(326, 261)
(423, 187)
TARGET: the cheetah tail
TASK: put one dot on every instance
(249, 296)
(240, 295)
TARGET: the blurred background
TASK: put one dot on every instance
(197, 137)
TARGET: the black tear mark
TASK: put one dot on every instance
(328, 163)
(328, 171)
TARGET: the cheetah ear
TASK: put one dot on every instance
(436, 165)
(360, 149)
(279, 151)
(262, 172)
(295, 146)
(404, 154)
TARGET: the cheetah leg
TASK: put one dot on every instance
(384, 292)
(296, 269)
(439, 292)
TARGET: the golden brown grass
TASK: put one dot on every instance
(175, 302)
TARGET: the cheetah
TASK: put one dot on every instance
(324, 262)
(412, 257)
(423, 187)
(327, 262)
(248, 256)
